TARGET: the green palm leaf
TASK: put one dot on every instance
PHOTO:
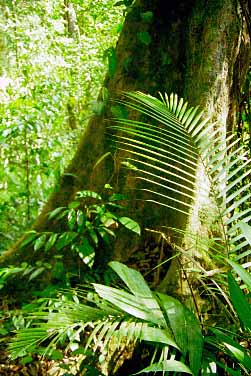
(118, 316)
(165, 144)
(240, 303)
(166, 157)
(166, 366)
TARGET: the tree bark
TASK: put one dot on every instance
(71, 19)
(198, 49)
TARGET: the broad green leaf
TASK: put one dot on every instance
(74, 205)
(237, 351)
(36, 273)
(157, 335)
(242, 273)
(81, 220)
(140, 289)
(130, 224)
(176, 316)
(186, 330)
(92, 233)
(144, 37)
(86, 252)
(133, 279)
(51, 241)
(105, 233)
(108, 219)
(72, 217)
(195, 341)
(65, 239)
(54, 213)
(239, 301)
(239, 355)
(56, 355)
(89, 260)
(134, 306)
(166, 366)
(28, 238)
(39, 242)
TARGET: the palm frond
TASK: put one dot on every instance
(165, 157)
(52, 323)
(166, 143)
(123, 317)
(166, 366)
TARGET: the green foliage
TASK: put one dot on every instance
(240, 303)
(235, 344)
(91, 222)
(166, 366)
(144, 37)
(87, 224)
(112, 60)
(117, 315)
(166, 157)
(24, 270)
(48, 85)
(48, 82)
(136, 313)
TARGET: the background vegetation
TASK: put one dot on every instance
(49, 84)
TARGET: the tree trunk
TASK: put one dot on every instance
(198, 49)
(70, 19)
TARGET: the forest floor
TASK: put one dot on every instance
(38, 367)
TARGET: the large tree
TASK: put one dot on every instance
(196, 48)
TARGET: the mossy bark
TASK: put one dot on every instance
(197, 49)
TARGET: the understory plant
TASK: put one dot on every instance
(88, 223)
(111, 318)
(164, 149)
